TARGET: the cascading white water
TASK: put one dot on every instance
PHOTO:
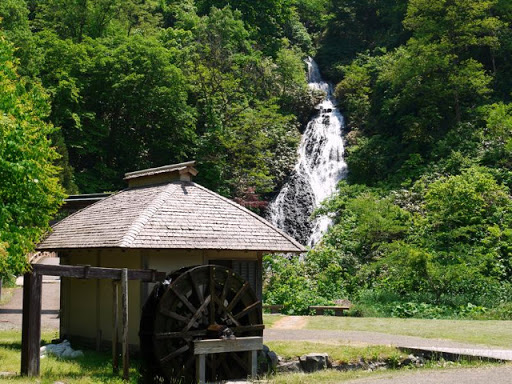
(320, 163)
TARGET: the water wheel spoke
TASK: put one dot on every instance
(180, 335)
(226, 367)
(176, 316)
(225, 291)
(247, 328)
(197, 288)
(237, 297)
(215, 364)
(190, 362)
(209, 295)
(247, 309)
(198, 314)
(177, 352)
(222, 308)
(212, 294)
(183, 299)
(240, 362)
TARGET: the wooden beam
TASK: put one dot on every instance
(31, 323)
(240, 344)
(115, 327)
(126, 355)
(87, 272)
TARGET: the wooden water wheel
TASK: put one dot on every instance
(189, 306)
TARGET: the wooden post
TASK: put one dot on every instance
(31, 323)
(201, 369)
(253, 363)
(126, 357)
(1, 281)
(115, 326)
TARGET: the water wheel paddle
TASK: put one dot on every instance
(198, 303)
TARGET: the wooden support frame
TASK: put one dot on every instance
(126, 352)
(251, 344)
(32, 294)
(115, 326)
(31, 323)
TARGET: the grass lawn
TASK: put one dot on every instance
(488, 332)
(96, 367)
(337, 351)
(92, 368)
(333, 377)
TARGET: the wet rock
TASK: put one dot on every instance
(313, 362)
(272, 356)
(267, 360)
(288, 366)
(296, 209)
(376, 365)
(413, 360)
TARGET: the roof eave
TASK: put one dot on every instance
(42, 247)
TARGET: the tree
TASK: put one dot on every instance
(76, 19)
(29, 192)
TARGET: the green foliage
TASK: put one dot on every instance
(267, 31)
(30, 192)
(96, 18)
(357, 26)
(287, 283)
(119, 111)
(142, 83)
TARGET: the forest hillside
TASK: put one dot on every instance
(91, 89)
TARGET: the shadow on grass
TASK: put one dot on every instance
(94, 367)
(14, 345)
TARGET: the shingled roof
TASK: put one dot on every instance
(178, 214)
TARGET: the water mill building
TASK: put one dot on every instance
(162, 221)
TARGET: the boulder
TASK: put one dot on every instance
(267, 360)
(273, 360)
(313, 362)
(288, 366)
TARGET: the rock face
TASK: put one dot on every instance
(296, 206)
(313, 362)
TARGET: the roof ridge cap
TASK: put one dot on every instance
(300, 247)
(142, 219)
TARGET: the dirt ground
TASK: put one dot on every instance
(11, 312)
(290, 322)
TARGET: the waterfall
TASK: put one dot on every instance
(319, 167)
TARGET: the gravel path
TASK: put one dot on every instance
(11, 312)
(493, 374)
(365, 337)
